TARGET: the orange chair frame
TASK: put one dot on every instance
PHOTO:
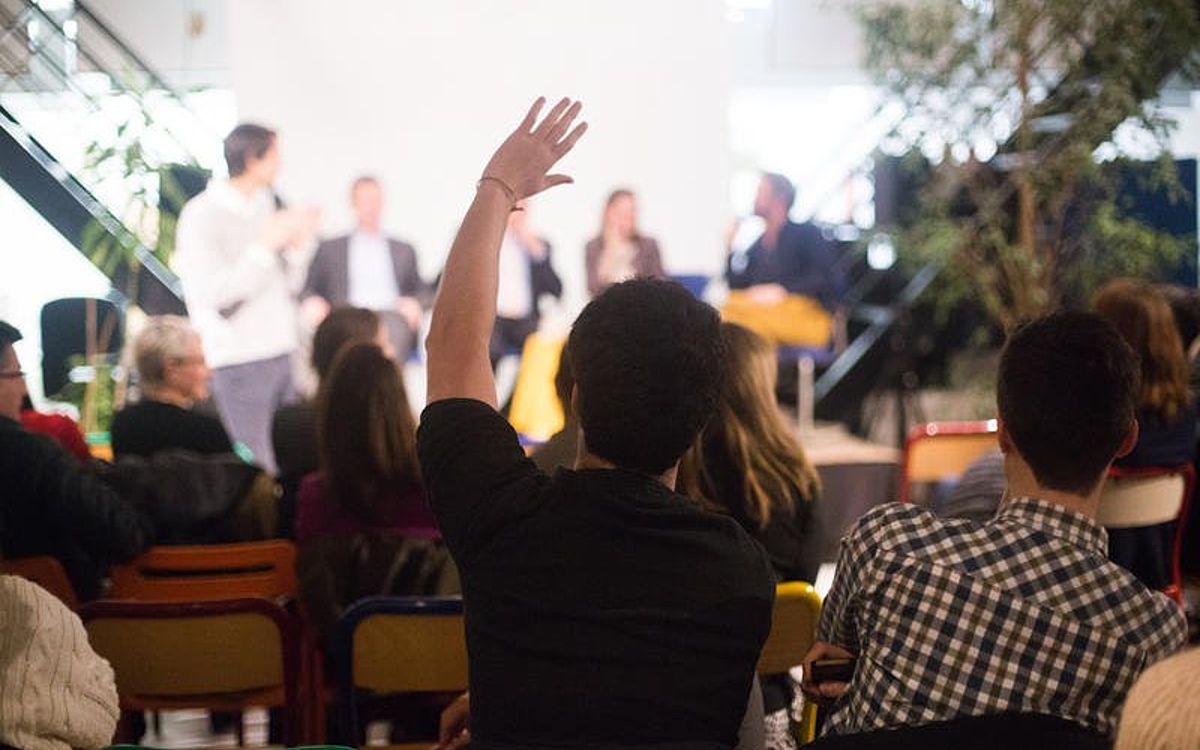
(941, 450)
(209, 571)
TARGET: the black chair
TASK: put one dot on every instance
(1004, 731)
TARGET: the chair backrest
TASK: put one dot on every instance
(220, 655)
(396, 644)
(943, 450)
(793, 630)
(47, 572)
(1149, 496)
(209, 571)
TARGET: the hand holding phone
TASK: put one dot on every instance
(833, 670)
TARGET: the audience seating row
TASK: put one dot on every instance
(216, 627)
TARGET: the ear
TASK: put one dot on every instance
(574, 406)
(1005, 440)
(1130, 440)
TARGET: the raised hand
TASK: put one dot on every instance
(521, 165)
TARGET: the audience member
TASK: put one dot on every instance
(749, 464)
(620, 252)
(787, 285)
(949, 619)
(50, 505)
(294, 426)
(562, 448)
(368, 269)
(234, 249)
(55, 692)
(1166, 413)
(62, 428)
(649, 612)
(526, 276)
(367, 494)
(173, 376)
(1162, 711)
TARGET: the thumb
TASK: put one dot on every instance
(556, 179)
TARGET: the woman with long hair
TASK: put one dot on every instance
(368, 477)
(1166, 414)
(748, 462)
(363, 525)
(620, 252)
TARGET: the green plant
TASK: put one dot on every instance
(1013, 100)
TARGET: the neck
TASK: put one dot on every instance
(368, 227)
(1021, 482)
(774, 225)
(244, 184)
(585, 459)
(168, 396)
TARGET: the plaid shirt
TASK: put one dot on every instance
(1024, 613)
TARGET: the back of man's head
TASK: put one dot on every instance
(1067, 394)
(243, 142)
(646, 360)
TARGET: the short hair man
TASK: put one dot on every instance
(602, 608)
(368, 269)
(48, 504)
(1025, 613)
(234, 249)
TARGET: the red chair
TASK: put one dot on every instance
(1149, 496)
(937, 451)
(45, 571)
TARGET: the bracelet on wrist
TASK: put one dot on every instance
(508, 191)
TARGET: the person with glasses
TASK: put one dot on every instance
(173, 377)
(49, 505)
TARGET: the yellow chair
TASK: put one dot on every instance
(45, 571)
(220, 655)
(209, 571)
(793, 630)
(398, 644)
(943, 450)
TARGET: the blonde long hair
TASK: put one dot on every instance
(753, 435)
(1144, 318)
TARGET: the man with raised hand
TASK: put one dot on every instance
(602, 608)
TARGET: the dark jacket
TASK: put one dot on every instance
(329, 272)
(50, 505)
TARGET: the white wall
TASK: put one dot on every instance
(420, 93)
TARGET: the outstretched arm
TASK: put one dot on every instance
(465, 309)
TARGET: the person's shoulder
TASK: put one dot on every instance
(894, 521)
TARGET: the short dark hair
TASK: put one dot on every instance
(244, 141)
(341, 326)
(9, 334)
(1067, 393)
(646, 358)
(781, 187)
(364, 179)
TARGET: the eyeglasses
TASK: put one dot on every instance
(12, 374)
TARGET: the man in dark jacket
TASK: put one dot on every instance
(49, 504)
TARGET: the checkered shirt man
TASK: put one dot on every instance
(1024, 613)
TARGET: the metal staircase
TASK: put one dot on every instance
(87, 132)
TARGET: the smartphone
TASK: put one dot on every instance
(833, 670)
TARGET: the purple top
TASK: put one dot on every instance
(409, 515)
